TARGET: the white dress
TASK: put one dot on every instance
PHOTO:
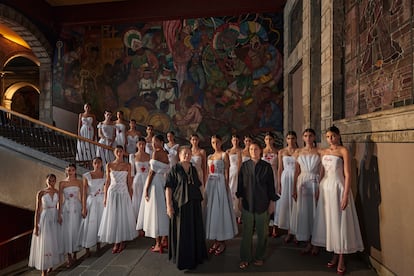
(120, 135)
(148, 148)
(286, 202)
(153, 219)
(71, 219)
(88, 233)
(307, 186)
(233, 177)
(108, 134)
(86, 151)
(172, 154)
(271, 158)
(197, 160)
(139, 170)
(118, 222)
(337, 230)
(220, 219)
(44, 249)
(131, 146)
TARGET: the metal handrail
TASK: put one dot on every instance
(16, 237)
(15, 249)
(49, 139)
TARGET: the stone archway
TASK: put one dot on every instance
(41, 48)
(13, 90)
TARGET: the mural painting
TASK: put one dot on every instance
(207, 75)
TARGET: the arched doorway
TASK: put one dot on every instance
(21, 85)
(26, 101)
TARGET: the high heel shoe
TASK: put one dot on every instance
(219, 250)
(331, 264)
(121, 247)
(164, 244)
(288, 238)
(115, 249)
(155, 249)
(340, 271)
(213, 248)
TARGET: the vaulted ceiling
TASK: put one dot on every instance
(55, 13)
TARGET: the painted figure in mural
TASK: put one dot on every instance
(106, 98)
(70, 211)
(336, 223)
(127, 90)
(45, 245)
(192, 119)
(170, 98)
(181, 56)
(91, 67)
(196, 75)
(146, 84)
(87, 129)
(162, 84)
(306, 190)
(141, 58)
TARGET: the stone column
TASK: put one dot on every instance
(45, 97)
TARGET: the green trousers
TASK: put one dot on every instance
(258, 223)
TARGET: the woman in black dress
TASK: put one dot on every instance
(187, 246)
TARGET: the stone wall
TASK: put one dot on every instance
(366, 89)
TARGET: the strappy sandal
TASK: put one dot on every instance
(258, 263)
(243, 265)
(213, 248)
(220, 249)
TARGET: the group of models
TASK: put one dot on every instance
(181, 198)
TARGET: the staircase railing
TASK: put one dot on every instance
(15, 249)
(49, 139)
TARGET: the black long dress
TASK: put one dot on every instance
(187, 247)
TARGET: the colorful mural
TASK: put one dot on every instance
(206, 75)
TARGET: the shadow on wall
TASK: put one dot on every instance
(368, 197)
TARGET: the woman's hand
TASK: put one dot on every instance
(146, 196)
(170, 211)
(84, 213)
(295, 196)
(60, 218)
(36, 230)
(271, 207)
(344, 201)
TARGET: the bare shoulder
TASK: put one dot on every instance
(40, 194)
